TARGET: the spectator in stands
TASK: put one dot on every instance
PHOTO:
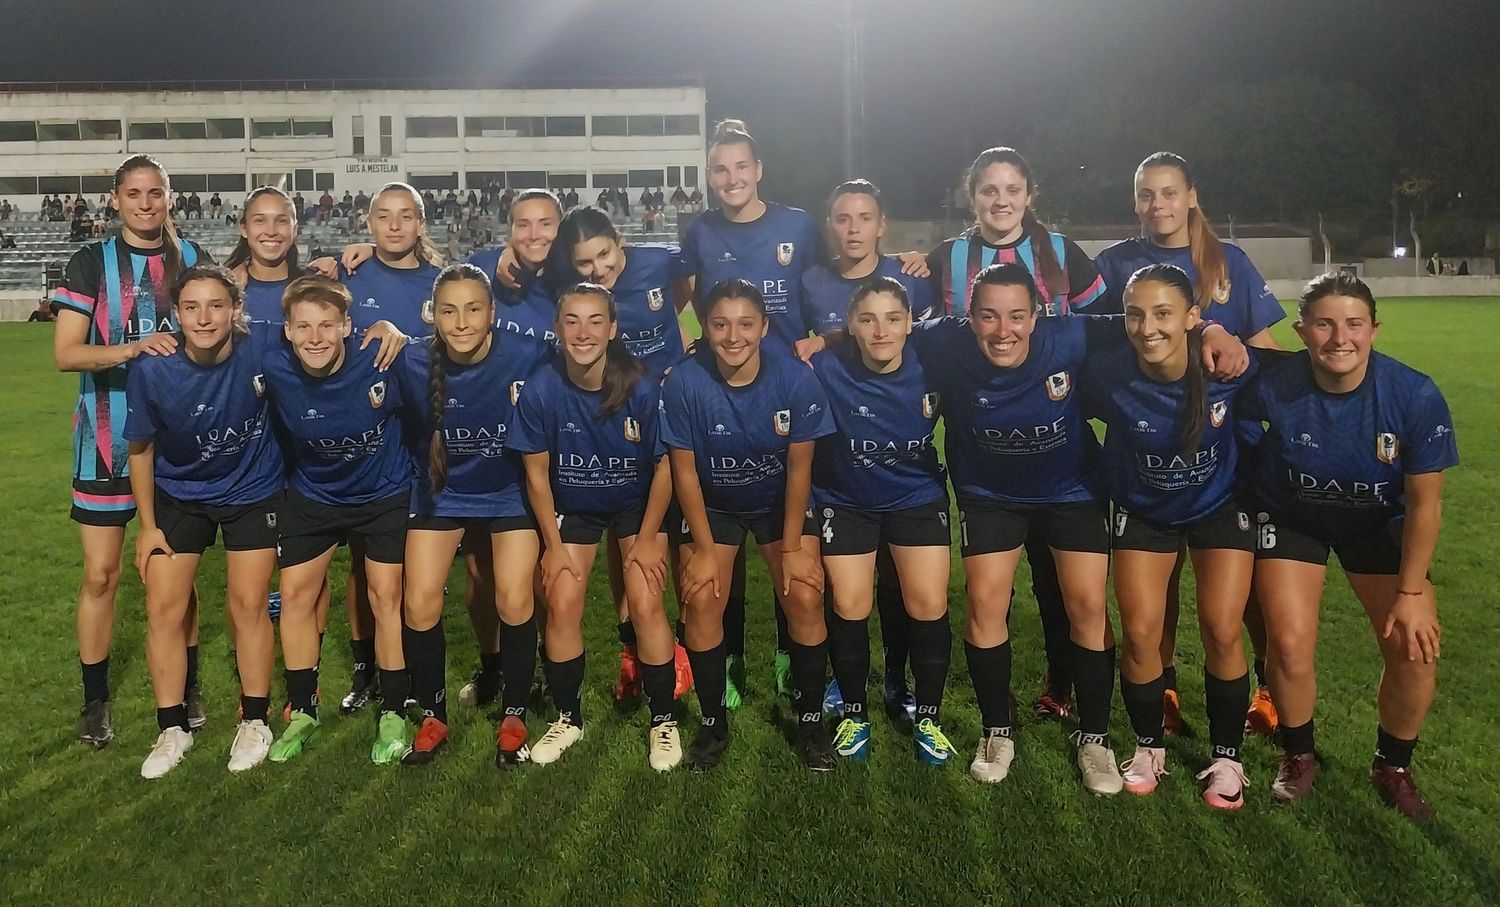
(215, 206)
(325, 207)
(695, 201)
(679, 198)
(571, 199)
(56, 212)
(361, 204)
(347, 201)
(82, 226)
(1463, 268)
(301, 205)
(659, 200)
(430, 206)
(79, 206)
(5, 209)
(233, 217)
(645, 200)
(195, 206)
(1434, 265)
(472, 201)
(100, 228)
(42, 312)
(179, 207)
(46, 210)
(450, 205)
(622, 201)
(7, 241)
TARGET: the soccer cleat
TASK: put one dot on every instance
(286, 710)
(931, 745)
(628, 682)
(682, 671)
(781, 675)
(1052, 704)
(300, 733)
(734, 676)
(1294, 779)
(706, 750)
(664, 747)
(431, 737)
(392, 740)
(1142, 771)
(560, 735)
(833, 699)
(1171, 713)
(364, 689)
(993, 756)
(197, 717)
(171, 745)
(1261, 716)
(817, 749)
(851, 739)
(1226, 784)
(1096, 765)
(481, 689)
(510, 742)
(1398, 788)
(94, 725)
(899, 701)
(251, 746)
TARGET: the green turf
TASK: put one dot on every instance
(600, 827)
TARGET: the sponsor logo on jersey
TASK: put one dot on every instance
(203, 409)
(1387, 447)
(1144, 427)
(1306, 440)
(369, 303)
(720, 430)
(783, 421)
(377, 395)
(632, 430)
(515, 391)
(784, 253)
(259, 383)
(863, 412)
(929, 405)
(1217, 412)
(1058, 386)
(655, 299)
(427, 313)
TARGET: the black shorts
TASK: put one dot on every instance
(1227, 527)
(1376, 550)
(309, 528)
(847, 530)
(986, 527)
(491, 525)
(191, 526)
(731, 528)
(103, 502)
(588, 528)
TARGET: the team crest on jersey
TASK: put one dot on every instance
(515, 391)
(427, 314)
(655, 299)
(632, 430)
(929, 405)
(259, 383)
(377, 395)
(1221, 291)
(1387, 447)
(1059, 386)
(1216, 413)
(783, 422)
(784, 252)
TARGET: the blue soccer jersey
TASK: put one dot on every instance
(600, 463)
(402, 296)
(1336, 463)
(1019, 434)
(771, 252)
(643, 305)
(1245, 306)
(530, 310)
(342, 429)
(827, 293)
(209, 424)
(479, 400)
(739, 435)
(883, 455)
(263, 300)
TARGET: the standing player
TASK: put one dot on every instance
(1001, 191)
(1353, 461)
(111, 308)
(588, 426)
(265, 259)
(739, 425)
(464, 383)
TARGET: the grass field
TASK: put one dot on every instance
(600, 827)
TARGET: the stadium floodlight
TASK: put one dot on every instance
(1398, 252)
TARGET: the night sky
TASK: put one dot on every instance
(943, 79)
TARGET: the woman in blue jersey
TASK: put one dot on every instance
(1001, 192)
(588, 425)
(351, 480)
(265, 259)
(1352, 462)
(877, 482)
(203, 457)
(112, 308)
(739, 423)
(463, 384)
(1170, 458)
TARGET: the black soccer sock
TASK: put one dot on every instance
(95, 680)
(1226, 701)
(849, 648)
(302, 690)
(192, 668)
(489, 664)
(1261, 678)
(1056, 628)
(1297, 740)
(565, 683)
(1094, 680)
(989, 670)
(709, 679)
(427, 663)
(783, 632)
(517, 665)
(809, 679)
(626, 631)
(1143, 703)
(895, 635)
(734, 609)
(1169, 678)
(395, 686)
(254, 708)
(172, 716)
(659, 682)
(1392, 750)
(362, 654)
(931, 650)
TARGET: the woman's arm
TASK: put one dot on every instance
(796, 563)
(150, 539)
(647, 553)
(702, 568)
(539, 492)
(72, 352)
(1414, 611)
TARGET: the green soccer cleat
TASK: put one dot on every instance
(300, 733)
(734, 678)
(392, 739)
(781, 675)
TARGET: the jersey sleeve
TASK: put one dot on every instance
(937, 266)
(923, 300)
(934, 337)
(817, 244)
(204, 257)
(80, 286)
(678, 263)
(811, 418)
(648, 407)
(141, 422)
(676, 412)
(1430, 442)
(1085, 284)
(1102, 331)
(689, 249)
(1111, 300)
(1262, 308)
(527, 431)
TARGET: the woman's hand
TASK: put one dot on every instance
(801, 566)
(148, 542)
(649, 555)
(701, 569)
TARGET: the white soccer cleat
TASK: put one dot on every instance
(252, 743)
(171, 745)
(562, 734)
(992, 758)
(665, 747)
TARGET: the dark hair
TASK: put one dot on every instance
(1007, 274)
(241, 253)
(1051, 272)
(1195, 402)
(856, 187)
(437, 373)
(426, 251)
(1334, 283)
(733, 132)
(579, 225)
(879, 285)
(731, 288)
(621, 369)
(171, 246)
(1204, 246)
(319, 289)
(220, 275)
(527, 195)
